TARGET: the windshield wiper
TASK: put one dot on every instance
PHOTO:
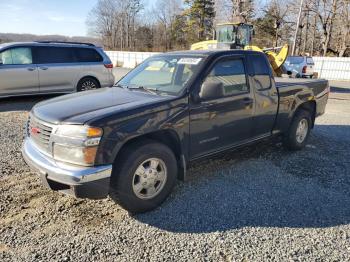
(148, 89)
(121, 86)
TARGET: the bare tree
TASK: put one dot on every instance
(327, 11)
(176, 24)
(114, 21)
(166, 12)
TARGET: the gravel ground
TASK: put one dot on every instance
(258, 203)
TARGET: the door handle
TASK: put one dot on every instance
(44, 68)
(31, 68)
(247, 101)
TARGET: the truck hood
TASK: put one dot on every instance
(78, 108)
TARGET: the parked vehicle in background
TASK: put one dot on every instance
(52, 67)
(300, 66)
(132, 141)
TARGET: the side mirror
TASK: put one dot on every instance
(211, 90)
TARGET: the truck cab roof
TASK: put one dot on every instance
(214, 52)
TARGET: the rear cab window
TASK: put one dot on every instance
(262, 72)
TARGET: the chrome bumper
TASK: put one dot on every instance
(74, 180)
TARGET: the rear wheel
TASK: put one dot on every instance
(87, 83)
(299, 131)
(143, 176)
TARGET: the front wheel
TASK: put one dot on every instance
(299, 131)
(143, 176)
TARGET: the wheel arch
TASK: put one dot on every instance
(309, 106)
(167, 137)
(87, 76)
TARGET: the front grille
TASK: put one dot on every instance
(40, 132)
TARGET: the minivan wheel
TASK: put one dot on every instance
(144, 176)
(299, 131)
(87, 83)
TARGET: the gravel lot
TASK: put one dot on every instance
(259, 203)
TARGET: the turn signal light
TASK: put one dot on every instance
(94, 132)
(90, 154)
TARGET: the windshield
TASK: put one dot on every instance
(243, 34)
(168, 74)
(295, 60)
(225, 34)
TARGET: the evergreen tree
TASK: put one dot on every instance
(200, 15)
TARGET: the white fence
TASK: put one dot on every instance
(331, 68)
(128, 59)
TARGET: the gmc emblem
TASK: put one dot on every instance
(35, 131)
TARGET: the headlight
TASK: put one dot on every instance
(75, 131)
(76, 144)
(75, 155)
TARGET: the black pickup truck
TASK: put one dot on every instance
(133, 141)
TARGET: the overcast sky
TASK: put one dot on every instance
(42, 17)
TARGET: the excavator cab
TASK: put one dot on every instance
(233, 35)
(239, 36)
(228, 36)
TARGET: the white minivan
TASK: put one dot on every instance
(52, 67)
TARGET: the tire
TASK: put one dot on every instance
(126, 181)
(299, 131)
(87, 83)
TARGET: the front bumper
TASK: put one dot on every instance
(81, 182)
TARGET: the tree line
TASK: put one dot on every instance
(324, 25)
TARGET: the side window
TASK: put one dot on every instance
(17, 56)
(53, 55)
(262, 77)
(231, 74)
(87, 55)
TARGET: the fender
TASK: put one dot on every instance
(292, 97)
(170, 121)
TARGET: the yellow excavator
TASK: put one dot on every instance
(239, 36)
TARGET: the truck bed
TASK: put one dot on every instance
(315, 87)
(283, 81)
(292, 90)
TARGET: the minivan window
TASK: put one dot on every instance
(87, 55)
(53, 55)
(16, 56)
(262, 76)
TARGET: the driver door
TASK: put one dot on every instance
(226, 121)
